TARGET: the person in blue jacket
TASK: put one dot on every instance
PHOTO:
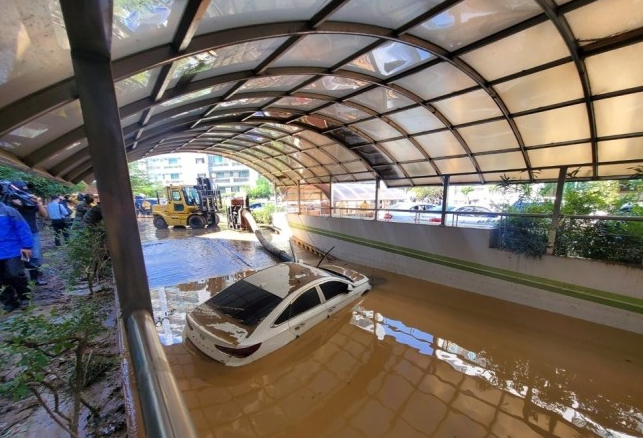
(16, 243)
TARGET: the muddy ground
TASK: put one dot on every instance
(26, 418)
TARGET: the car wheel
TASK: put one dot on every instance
(160, 223)
(196, 221)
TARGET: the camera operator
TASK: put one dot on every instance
(30, 207)
(16, 242)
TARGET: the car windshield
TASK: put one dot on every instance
(245, 302)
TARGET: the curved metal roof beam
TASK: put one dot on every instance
(551, 9)
(147, 145)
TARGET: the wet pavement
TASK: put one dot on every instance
(412, 359)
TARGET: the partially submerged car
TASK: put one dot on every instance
(268, 309)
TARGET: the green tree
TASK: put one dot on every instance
(141, 181)
(432, 194)
(466, 191)
(263, 189)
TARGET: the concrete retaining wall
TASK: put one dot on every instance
(460, 257)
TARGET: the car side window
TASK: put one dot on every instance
(331, 289)
(306, 301)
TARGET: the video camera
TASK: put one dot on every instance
(9, 192)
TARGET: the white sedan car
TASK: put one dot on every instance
(268, 309)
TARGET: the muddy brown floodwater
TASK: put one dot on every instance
(411, 359)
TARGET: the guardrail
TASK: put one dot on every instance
(164, 412)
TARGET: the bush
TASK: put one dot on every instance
(87, 256)
(610, 241)
(55, 356)
(523, 235)
(263, 215)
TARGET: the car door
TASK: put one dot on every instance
(336, 295)
(304, 312)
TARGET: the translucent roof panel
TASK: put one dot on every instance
(238, 13)
(322, 50)
(402, 150)
(440, 144)
(34, 52)
(570, 155)
(419, 169)
(274, 83)
(245, 56)
(301, 103)
(377, 129)
(510, 160)
(606, 70)
(455, 165)
(602, 19)
(195, 96)
(383, 12)
(435, 81)
(532, 47)
(547, 87)
(622, 149)
(407, 91)
(491, 136)
(339, 153)
(619, 115)
(382, 100)
(389, 59)
(27, 138)
(136, 87)
(417, 119)
(343, 113)
(557, 125)
(335, 86)
(469, 107)
(140, 25)
(464, 23)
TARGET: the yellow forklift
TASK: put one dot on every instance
(193, 206)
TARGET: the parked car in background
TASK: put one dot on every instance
(256, 205)
(632, 208)
(413, 212)
(465, 216)
(268, 309)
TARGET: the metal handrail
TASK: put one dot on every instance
(164, 412)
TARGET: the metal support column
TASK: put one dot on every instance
(445, 200)
(330, 192)
(274, 188)
(555, 217)
(89, 28)
(377, 196)
(298, 197)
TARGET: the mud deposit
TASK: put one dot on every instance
(412, 359)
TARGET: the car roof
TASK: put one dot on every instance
(285, 278)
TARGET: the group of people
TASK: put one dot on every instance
(66, 213)
(20, 244)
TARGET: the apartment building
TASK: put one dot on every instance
(230, 176)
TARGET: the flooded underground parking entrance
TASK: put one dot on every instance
(410, 359)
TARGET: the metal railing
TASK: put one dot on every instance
(165, 414)
(609, 238)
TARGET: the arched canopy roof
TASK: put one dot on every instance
(314, 91)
